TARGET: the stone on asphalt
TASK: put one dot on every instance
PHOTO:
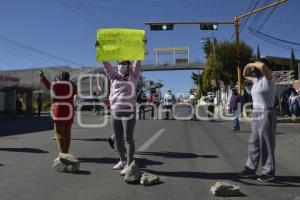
(58, 165)
(72, 168)
(224, 189)
(66, 163)
(149, 179)
(71, 162)
(133, 173)
(68, 158)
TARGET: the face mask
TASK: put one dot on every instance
(257, 73)
(122, 69)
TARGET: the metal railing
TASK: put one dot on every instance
(170, 62)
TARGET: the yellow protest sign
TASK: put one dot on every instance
(120, 44)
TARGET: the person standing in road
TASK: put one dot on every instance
(96, 101)
(39, 104)
(142, 99)
(192, 98)
(284, 101)
(193, 102)
(153, 103)
(123, 101)
(63, 109)
(210, 100)
(19, 105)
(123, 107)
(262, 139)
(169, 101)
(235, 107)
(294, 102)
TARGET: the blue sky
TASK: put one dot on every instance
(67, 29)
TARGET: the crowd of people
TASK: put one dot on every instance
(124, 100)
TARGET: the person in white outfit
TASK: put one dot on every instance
(169, 101)
(192, 101)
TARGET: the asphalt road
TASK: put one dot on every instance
(189, 156)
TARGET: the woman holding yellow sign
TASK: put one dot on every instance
(123, 107)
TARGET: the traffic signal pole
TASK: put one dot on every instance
(238, 53)
(189, 22)
(237, 34)
(236, 24)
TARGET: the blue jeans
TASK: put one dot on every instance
(295, 109)
(236, 122)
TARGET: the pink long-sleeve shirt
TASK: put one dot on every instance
(123, 88)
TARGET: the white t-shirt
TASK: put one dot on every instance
(169, 99)
(192, 99)
(294, 99)
(263, 93)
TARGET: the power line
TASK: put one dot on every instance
(267, 18)
(273, 40)
(40, 52)
(73, 7)
(244, 22)
(5, 62)
(85, 12)
(257, 18)
(278, 39)
(20, 52)
(92, 14)
(248, 10)
(136, 11)
(277, 44)
(258, 15)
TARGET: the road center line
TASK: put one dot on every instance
(149, 142)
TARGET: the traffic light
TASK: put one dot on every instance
(161, 27)
(209, 26)
(237, 57)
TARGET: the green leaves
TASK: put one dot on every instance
(222, 66)
(226, 59)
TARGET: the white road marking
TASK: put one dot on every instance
(149, 142)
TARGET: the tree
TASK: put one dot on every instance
(208, 47)
(294, 65)
(197, 78)
(209, 74)
(223, 68)
(226, 57)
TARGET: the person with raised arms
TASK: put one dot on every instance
(262, 139)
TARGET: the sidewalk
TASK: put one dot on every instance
(21, 115)
(280, 119)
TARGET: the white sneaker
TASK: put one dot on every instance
(120, 165)
(124, 171)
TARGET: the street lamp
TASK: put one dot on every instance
(212, 39)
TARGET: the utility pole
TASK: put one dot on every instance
(238, 53)
(213, 44)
